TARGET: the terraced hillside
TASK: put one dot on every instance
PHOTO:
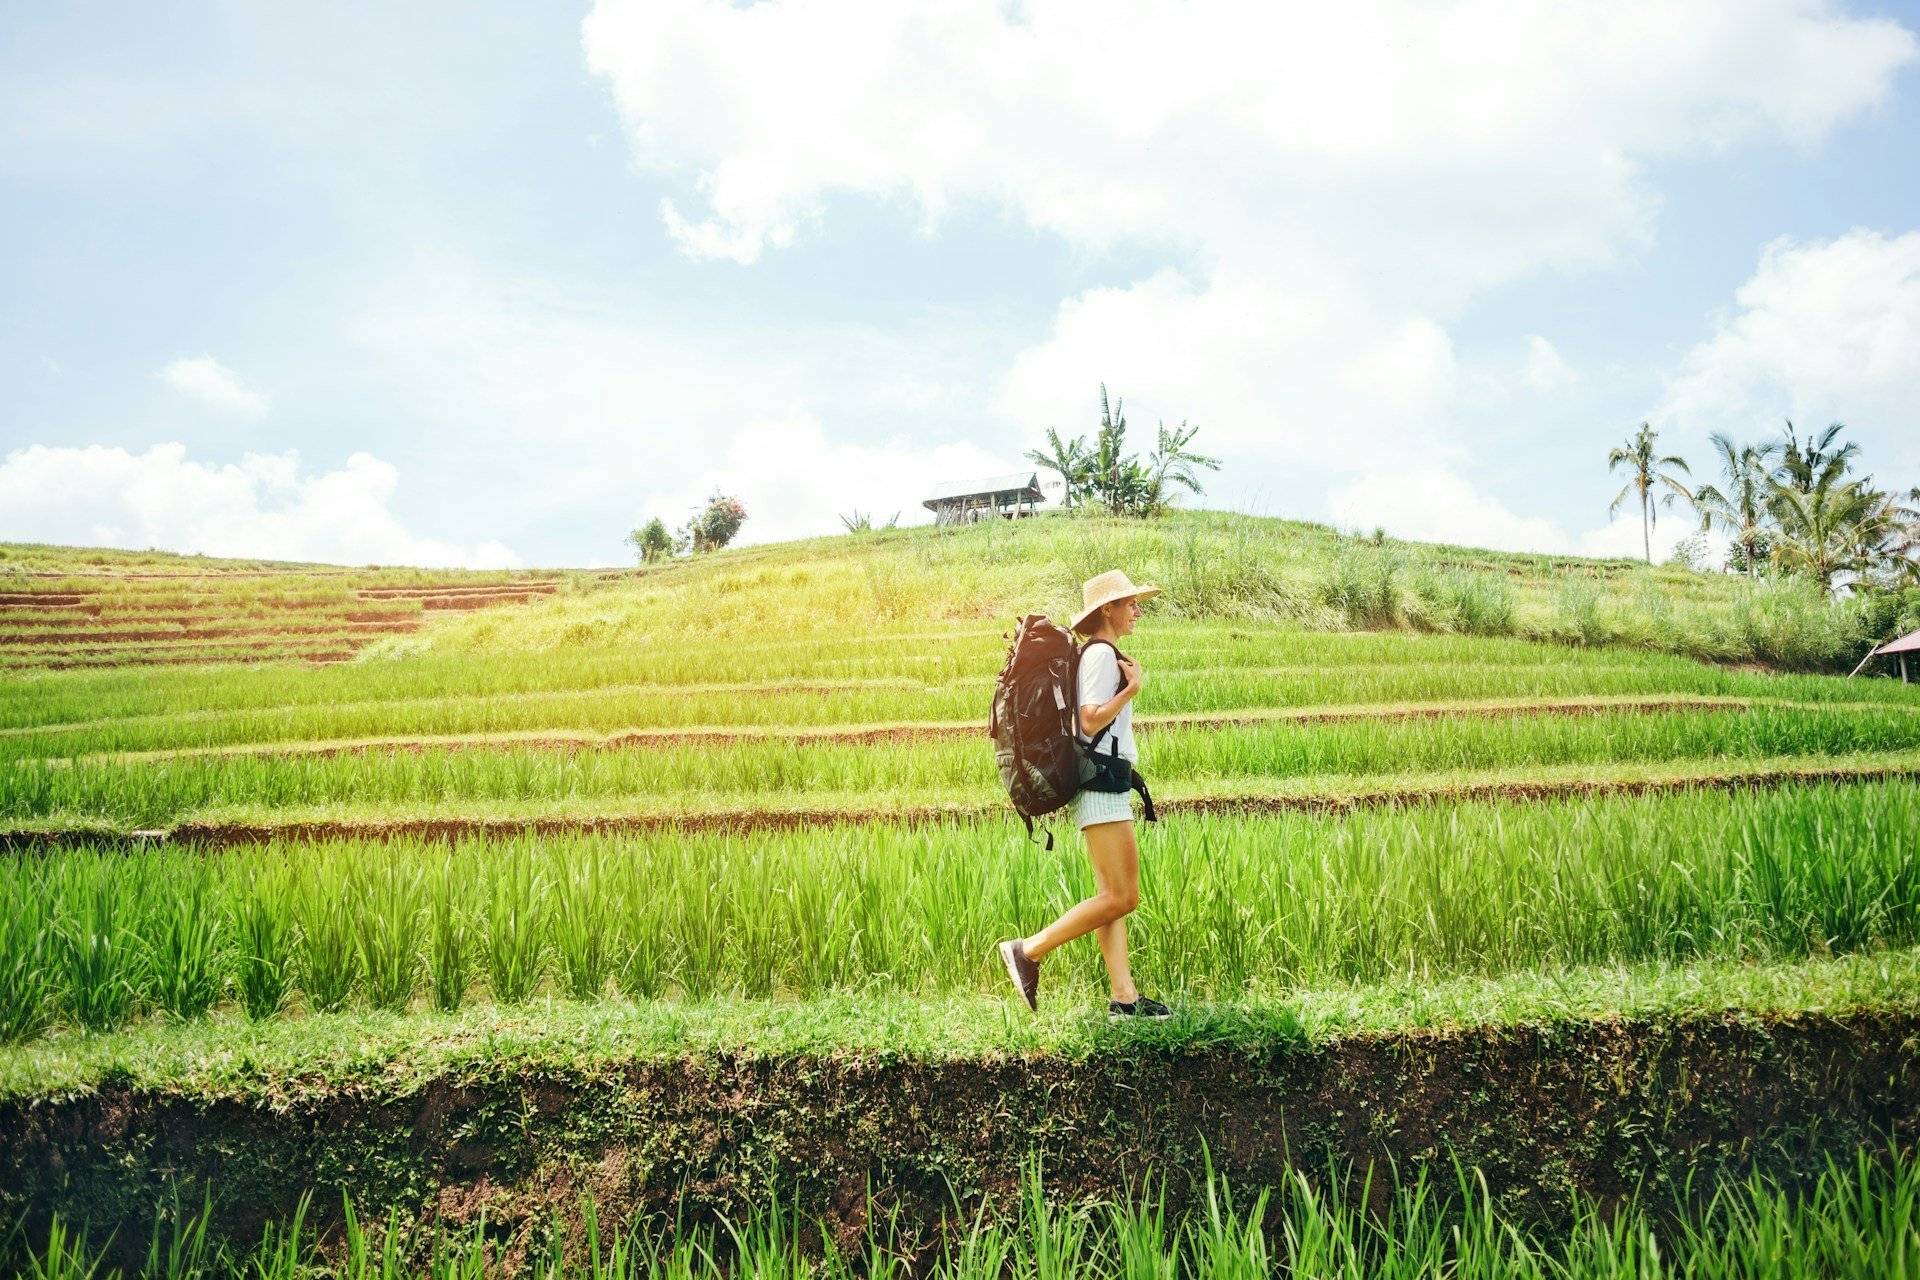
(64, 608)
(680, 893)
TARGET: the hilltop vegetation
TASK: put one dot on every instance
(1212, 566)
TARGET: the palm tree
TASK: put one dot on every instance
(1070, 458)
(1171, 463)
(1803, 463)
(1741, 509)
(1644, 475)
(1890, 537)
(1108, 461)
(1827, 529)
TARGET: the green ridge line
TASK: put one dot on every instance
(216, 828)
(287, 1057)
(912, 730)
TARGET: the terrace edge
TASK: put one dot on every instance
(1602, 1106)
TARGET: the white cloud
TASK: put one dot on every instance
(263, 506)
(1321, 189)
(1823, 330)
(1439, 505)
(1483, 136)
(600, 409)
(1624, 538)
(1270, 376)
(795, 482)
(209, 381)
(1546, 370)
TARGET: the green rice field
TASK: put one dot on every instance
(1856, 1220)
(599, 836)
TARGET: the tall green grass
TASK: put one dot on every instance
(917, 652)
(1229, 904)
(1858, 1218)
(159, 791)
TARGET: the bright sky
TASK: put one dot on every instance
(469, 283)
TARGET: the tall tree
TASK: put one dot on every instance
(1740, 510)
(1804, 462)
(1171, 462)
(1890, 535)
(1070, 458)
(1109, 461)
(1647, 471)
(1826, 529)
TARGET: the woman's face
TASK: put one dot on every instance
(1122, 614)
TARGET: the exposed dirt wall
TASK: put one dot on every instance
(1598, 1106)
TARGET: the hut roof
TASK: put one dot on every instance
(1025, 483)
(1909, 643)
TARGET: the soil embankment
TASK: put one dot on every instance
(1598, 1106)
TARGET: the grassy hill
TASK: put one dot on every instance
(690, 877)
(1212, 566)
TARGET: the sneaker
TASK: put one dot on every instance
(1144, 1007)
(1024, 973)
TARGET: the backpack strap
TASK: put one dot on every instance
(1146, 797)
(1094, 741)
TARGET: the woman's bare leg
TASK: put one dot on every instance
(1116, 878)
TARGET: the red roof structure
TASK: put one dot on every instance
(1905, 644)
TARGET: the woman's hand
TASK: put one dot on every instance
(1133, 674)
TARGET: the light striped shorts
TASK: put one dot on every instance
(1090, 807)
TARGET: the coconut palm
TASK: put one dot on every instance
(1891, 535)
(1171, 463)
(1071, 458)
(1804, 462)
(1647, 471)
(1829, 529)
(1108, 461)
(1740, 510)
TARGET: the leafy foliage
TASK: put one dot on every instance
(652, 541)
(716, 526)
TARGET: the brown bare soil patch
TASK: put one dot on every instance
(79, 658)
(486, 601)
(140, 635)
(1595, 1106)
(267, 617)
(746, 821)
(40, 600)
(455, 590)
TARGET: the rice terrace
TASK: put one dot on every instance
(595, 684)
(1517, 912)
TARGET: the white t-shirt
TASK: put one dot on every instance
(1099, 681)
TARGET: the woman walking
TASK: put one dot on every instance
(1107, 686)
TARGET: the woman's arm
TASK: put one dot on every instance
(1095, 716)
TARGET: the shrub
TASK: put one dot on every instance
(1787, 622)
(652, 541)
(1363, 583)
(1466, 600)
(1578, 619)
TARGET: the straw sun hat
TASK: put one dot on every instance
(1105, 588)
